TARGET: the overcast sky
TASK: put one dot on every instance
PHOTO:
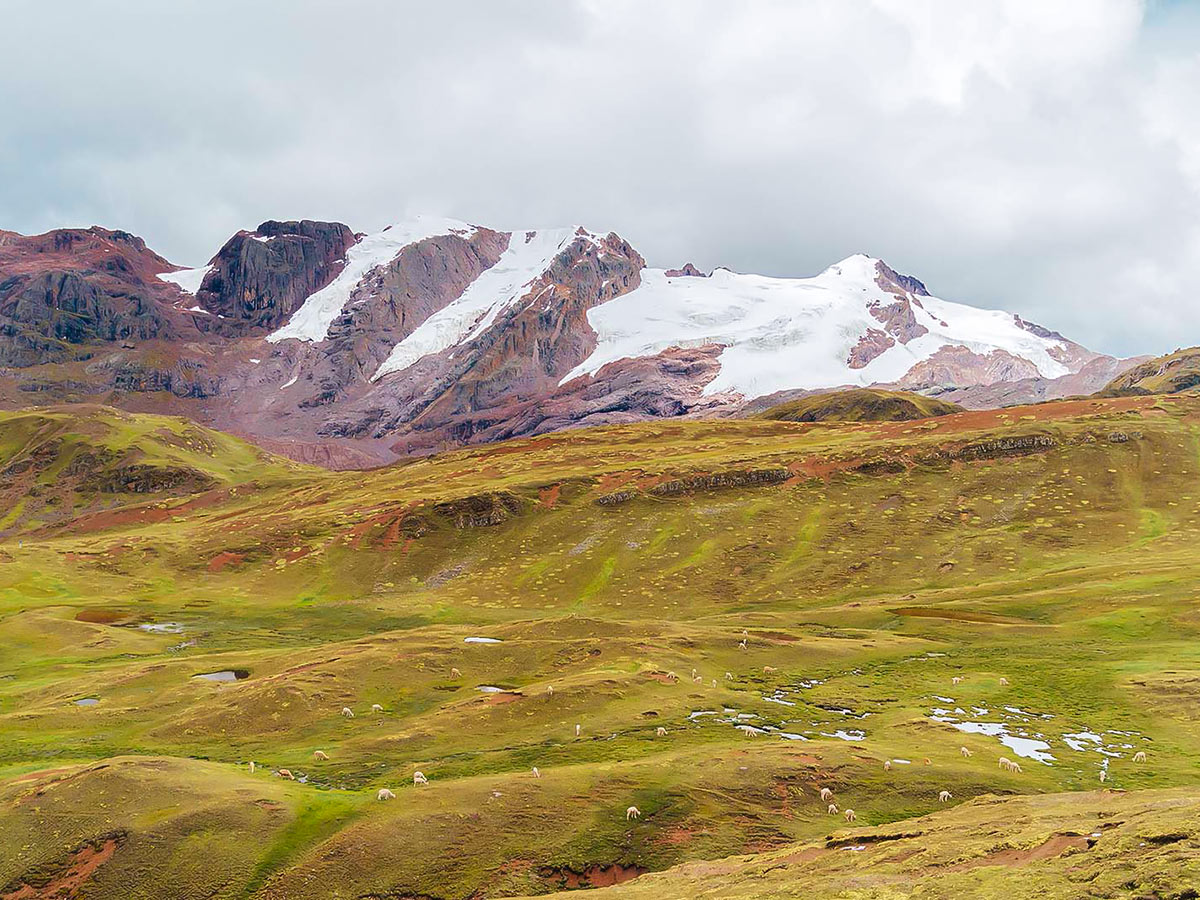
(1041, 156)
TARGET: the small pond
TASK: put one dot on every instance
(225, 675)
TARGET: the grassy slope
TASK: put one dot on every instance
(1170, 374)
(859, 405)
(885, 565)
(1093, 844)
(59, 462)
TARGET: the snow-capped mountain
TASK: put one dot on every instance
(344, 348)
(856, 323)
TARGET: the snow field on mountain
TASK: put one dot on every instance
(189, 280)
(312, 320)
(793, 333)
(529, 255)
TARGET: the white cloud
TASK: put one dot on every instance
(1038, 156)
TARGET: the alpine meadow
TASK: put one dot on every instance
(693, 552)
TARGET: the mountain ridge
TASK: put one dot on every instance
(345, 346)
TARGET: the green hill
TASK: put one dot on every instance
(826, 586)
(1034, 846)
(58, 462)
(859, 405)
(1178, 371)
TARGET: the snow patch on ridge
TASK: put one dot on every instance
(312, 320)
(189, 280)
(529, 255)
(788, 333)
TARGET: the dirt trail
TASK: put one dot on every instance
(1053, 846)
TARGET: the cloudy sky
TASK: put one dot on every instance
(1038, 156)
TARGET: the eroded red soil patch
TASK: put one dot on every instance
(593, 876)
(984, 419)
(611, 481)
(678, 836)
(1053, 846)
(146, 515)
(808, 854)
(100, 616)
(70, 878)
(661, 677)
(518, 447)
(223, 559)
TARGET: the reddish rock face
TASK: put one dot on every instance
(1095, 374)
(899, 321)
(668, 385)
(869, 346)
(894, 283)
(688, 271)
(448, 397)
(64, 289)
(960, 366)
(259, 278)
(898, 318)
(394, 299)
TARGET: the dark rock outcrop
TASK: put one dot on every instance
(893, 282)
(480, 510)
(718, 480)
(261, 277)
(65, 289)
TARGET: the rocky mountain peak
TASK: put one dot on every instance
(433, 332)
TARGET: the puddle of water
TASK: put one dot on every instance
(1027, 748)
(226, 675)
(1017, 711)
(701, 713)
(846, 735)
(87, 701)
(481, 640)
(162, 627)
(490, 689)
(775, 698)
(1090, 742)
(1030, 744)
(1081, 740)
(791, 736)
